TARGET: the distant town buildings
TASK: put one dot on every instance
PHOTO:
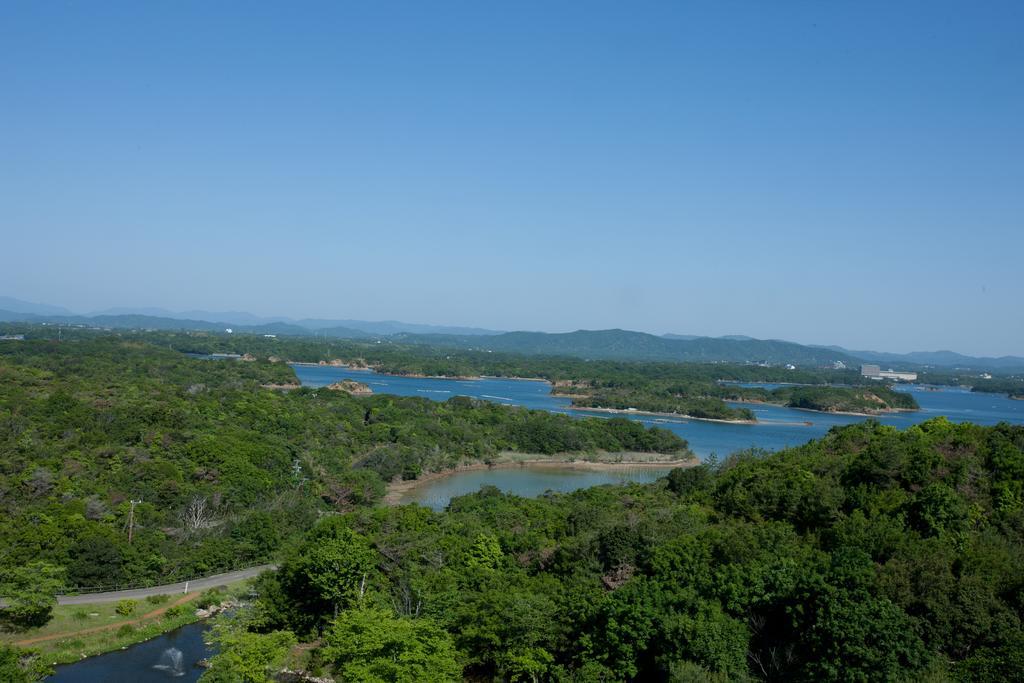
(12, 337)
(876, 372)
(839, 365)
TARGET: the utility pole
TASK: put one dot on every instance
(131, 519)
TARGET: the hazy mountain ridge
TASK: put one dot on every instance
(615, 344)
(628, 345)
(150, 322)
(950, 359)
(241, 320)
(13, 305)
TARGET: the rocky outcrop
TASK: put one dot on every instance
(571, 384)
(248, 357)
(213, 610)
(350, 387)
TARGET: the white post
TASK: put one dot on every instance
(186, 586)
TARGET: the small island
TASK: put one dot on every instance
(845, 400)
(350, 386)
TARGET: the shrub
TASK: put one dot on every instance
(157, 599)
(214, 596)
(174, 611)
(79, 615)
(125, 607)
(126, 630)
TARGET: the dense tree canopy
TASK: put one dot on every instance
(871, 554)
(222, 470)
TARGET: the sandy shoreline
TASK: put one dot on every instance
(619, 411)
(824, 412)
(879, 413)
(517, 379)
(397, 489)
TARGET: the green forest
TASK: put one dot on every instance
(225, 469)
(871, 554)
(697, 390)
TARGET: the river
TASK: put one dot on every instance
(172, 656)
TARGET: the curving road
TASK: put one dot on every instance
(169, 589)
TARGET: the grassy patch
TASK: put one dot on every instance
(79, 631)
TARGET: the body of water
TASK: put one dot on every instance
(777, 427)
(524, 481)
(172, 656)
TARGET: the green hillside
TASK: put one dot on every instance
(869, 555)
(627, 345)
(226, 469)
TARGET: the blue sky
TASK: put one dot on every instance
(826, 172)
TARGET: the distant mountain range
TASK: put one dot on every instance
(628, 345)
(950, 359)
(160, 318)
(590, 344)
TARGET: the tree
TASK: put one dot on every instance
(247, 657)
(329, 573)
(690, 480)
(21, 666)
(372, 645)
(197, 515)
(31, 593)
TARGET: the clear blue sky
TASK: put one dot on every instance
(826, 172)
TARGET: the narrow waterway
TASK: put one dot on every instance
(172, 656)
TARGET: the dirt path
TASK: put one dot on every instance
(96, 629)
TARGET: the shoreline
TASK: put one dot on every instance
(517, 379)
(417, 375)
(879, 413)
(396, 489)
(621, 411)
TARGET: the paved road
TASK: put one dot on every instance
(170, 589)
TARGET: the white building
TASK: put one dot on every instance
(876, 372)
